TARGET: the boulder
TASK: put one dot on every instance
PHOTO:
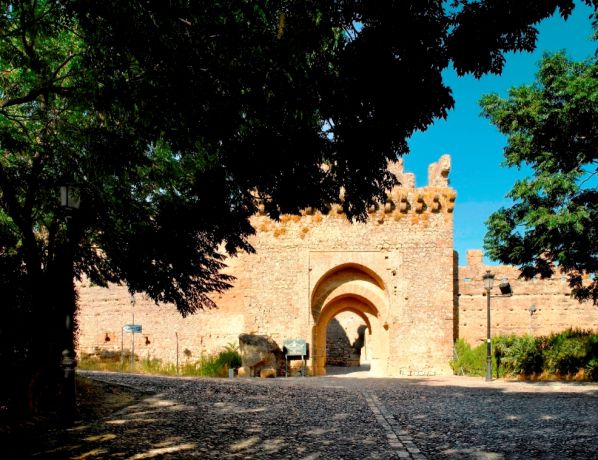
(260, 352)
(268, 373)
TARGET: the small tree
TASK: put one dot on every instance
(552, 126)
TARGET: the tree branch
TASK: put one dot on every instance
(34, 94)
(15, 212)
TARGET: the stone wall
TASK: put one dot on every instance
(315, 276)
(307, 269)
(345, 340)
(537, 306)
(103, 312)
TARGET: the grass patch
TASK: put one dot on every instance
(206, 366)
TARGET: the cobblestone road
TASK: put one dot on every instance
(342, 418)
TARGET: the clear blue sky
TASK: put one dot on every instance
(475, 146)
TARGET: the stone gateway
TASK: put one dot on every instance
(387, 292)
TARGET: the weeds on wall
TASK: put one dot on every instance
(571, 354)
(216, 365)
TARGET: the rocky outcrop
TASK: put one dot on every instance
(260, 356)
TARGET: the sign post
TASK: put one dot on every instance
(295, 347)
(133, 329)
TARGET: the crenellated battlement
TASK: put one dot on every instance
(405, 198)
(316, 276)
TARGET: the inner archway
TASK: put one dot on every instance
(350, 291)
(346, 341)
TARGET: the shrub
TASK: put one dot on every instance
(591, 369)
(516, 355)
(230, 357)
(563, 354)
(215, 365)
(206, 366)
(568, 352)
(467, 360)
(156, 366)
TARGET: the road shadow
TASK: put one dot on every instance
(328, 417)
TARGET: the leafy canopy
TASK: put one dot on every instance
(178, 119)
(552, 126)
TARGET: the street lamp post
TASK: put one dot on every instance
(505, 291)
(488, 283)
(70, 201)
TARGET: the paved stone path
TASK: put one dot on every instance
(397, 438)
(341, 417)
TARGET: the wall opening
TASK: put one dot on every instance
(346, 306)
(346, 341)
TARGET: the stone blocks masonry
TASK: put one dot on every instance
(397, 274)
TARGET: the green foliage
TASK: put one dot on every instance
(562, 355)
(467, 360)
(218, 365)
(210, 366)
(552, 126)
(156, 366)
(570, 351)
(591, 369)
(230, 357)
(178, 120)
(517, 355)
(567, 357)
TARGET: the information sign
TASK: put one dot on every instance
(295, 347)
(134, 328)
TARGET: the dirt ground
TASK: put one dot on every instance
(20, 438)
(97, 399)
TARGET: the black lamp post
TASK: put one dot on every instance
(505, 291)
(488, 283)
(70, 201)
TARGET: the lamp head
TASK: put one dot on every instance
(70, 197)
(488, 280)
(505, 287)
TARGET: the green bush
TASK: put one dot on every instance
(563, 354)
(467, 360)
(206, 366)
(230, 357)
(517, 355)
(591, 369)
(569, 351)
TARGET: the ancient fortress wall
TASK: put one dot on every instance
(306, 270)
(318, 277)
(537, 307)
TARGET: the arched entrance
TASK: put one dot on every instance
(346, 344)
(356, 289)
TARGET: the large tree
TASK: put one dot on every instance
(552, 126)
(176, 120)
(148, 216)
